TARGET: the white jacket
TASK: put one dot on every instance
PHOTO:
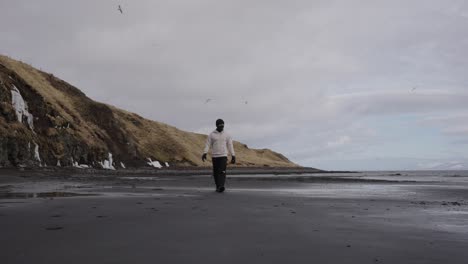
(220, 144)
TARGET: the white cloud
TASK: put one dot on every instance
(394, 102)
(452, 124)
(342, 140)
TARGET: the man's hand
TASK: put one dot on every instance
(233, 160)
(203, 157)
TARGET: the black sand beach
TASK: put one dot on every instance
(180, 219)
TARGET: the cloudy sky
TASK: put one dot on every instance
(359, 85)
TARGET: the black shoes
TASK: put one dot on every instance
(220, 189)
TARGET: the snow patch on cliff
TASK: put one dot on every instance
(107, 164)
(21, 107)
(80, 166)
(155, 163)
(75, 164)
(36, 152)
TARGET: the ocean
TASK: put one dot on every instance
(423, 176)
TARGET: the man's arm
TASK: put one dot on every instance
(230, 147)
(207, 147)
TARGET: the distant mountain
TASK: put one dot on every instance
(443, 165)
(45, 121)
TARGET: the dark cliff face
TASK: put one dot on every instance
(52, 139)
(44, 139)
(15, 142)
(45, 121)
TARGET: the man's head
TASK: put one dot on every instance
(219, 125)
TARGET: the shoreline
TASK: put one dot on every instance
(173, 171)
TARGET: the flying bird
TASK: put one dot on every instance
(244, 100)
(414, 88)
(208, 100)
(120, 9)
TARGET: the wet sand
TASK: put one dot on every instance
(182, 220)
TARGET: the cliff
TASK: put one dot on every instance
(44, 121)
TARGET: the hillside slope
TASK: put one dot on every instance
(45, 121)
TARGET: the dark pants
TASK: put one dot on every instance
(219, 171)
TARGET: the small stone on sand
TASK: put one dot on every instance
(54, 228)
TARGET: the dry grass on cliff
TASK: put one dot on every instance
(155, 135)
(37, 80)
(62, 102)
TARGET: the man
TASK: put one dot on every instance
(220, 143)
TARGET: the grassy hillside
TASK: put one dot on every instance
(68, 128)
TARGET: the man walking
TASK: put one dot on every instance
(220, 143)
